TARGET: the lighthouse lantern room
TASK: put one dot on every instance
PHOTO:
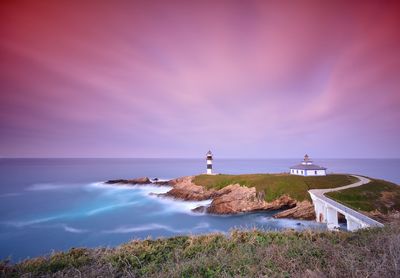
(209, 163)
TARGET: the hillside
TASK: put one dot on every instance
(366, 253)
(376, 198)
(276, 185)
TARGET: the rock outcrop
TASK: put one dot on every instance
(231, 199)
(144, 180)
(302, 210)
(185, 189)
(235, 199)
(283, 202)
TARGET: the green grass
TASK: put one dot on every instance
(366, 253)
(75, 258)
(276, 185)
(376, 195)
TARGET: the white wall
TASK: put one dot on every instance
(297, 172)
(308, 172)
(316, 172)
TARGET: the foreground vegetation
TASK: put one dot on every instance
(366, 253)
(276, 185)
(377, 195)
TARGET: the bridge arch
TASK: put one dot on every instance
(327, 211)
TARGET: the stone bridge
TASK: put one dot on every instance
(326, 209)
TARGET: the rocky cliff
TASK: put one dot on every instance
(231, 199)
(236, 199)
(185, 189)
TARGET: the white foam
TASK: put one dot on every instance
(282, 224)
(155, 226)
(169, 205)
(160, 180)
(74, 230)
(49, 187)
(174, 205)
(109, 207)
(145, 189)
(126, 230)
(148, 189)
(202, 225)
(20, 224)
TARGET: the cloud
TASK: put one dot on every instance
(134, 79)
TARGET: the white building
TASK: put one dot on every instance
(209, 163)
(307, 168)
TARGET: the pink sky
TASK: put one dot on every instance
(175, 78)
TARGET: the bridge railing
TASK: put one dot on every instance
(346, 210)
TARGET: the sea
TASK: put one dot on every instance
(50, 205)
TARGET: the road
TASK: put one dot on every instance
(320, 194)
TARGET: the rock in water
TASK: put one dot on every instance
(143, 180)
(161, 182)
(200, 209)
(303, 210)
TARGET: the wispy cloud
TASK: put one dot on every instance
(140, 79)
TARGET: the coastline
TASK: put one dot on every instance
(229, 200)
(234, 197)
(113, 204)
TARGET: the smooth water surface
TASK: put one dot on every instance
(56, 204)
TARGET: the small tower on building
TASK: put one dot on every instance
(209, 163)
(307, 168)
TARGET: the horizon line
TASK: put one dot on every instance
(247, 158)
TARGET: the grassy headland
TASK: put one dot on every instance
(366, 253)
(377, 195)
(276, 185)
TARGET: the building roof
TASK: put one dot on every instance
(307, 164)
(307, 167)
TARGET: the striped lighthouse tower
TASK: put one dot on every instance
(209, 163)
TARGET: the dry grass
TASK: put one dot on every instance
(366, 253)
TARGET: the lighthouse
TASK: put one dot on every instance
(209, 163)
